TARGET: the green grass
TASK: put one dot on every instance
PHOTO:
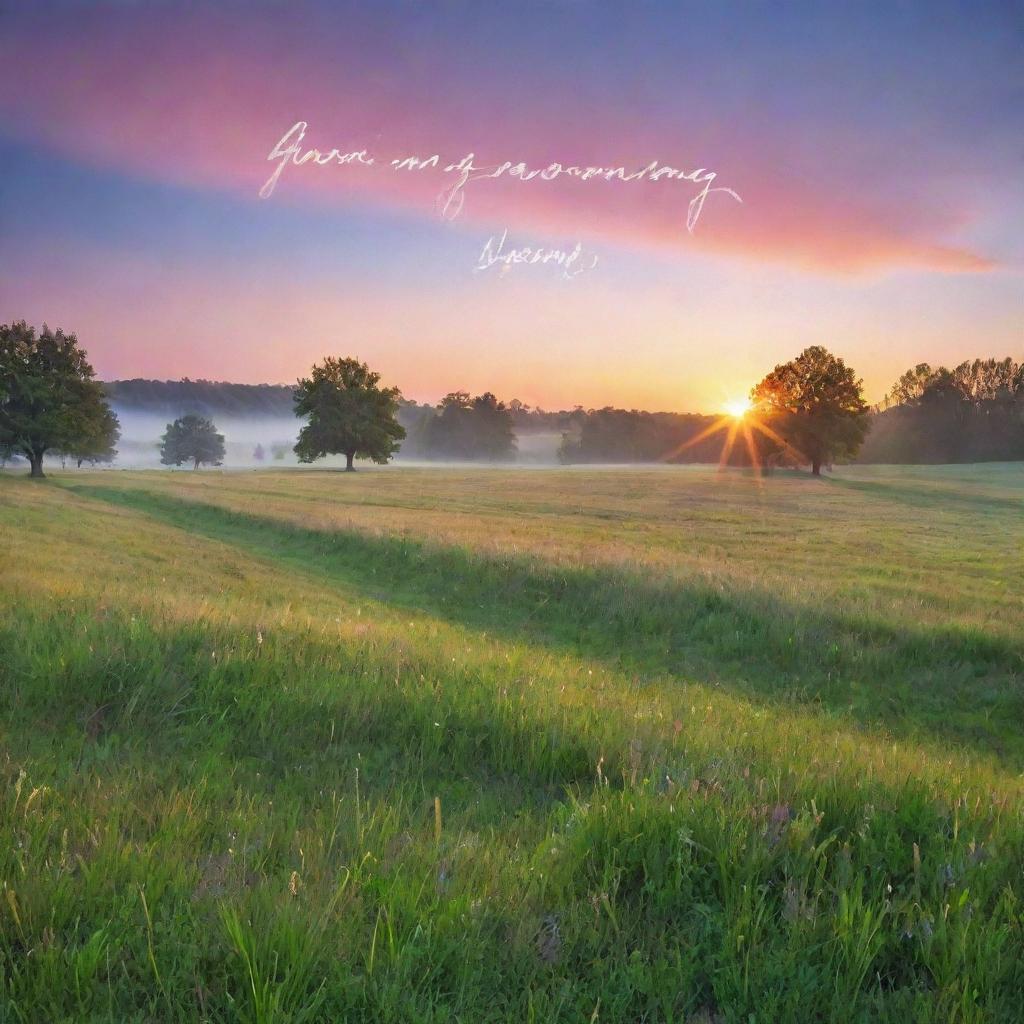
(426, 745)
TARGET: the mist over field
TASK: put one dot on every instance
(139, 447)
(141, 430)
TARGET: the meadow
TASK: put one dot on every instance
(645, 744)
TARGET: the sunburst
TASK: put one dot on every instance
(742, 418)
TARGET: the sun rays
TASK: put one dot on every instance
(741, 421)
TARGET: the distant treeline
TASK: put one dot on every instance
(972, 413)
(621, 435)
(203, 397)
(459, 427)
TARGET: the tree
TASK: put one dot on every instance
(349, 413)
(470, 428)
(192, 439)
(49, 397)
(496, 426)
(972, 413)
(98, 445)
(815, 404)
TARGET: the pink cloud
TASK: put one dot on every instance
(199, 100)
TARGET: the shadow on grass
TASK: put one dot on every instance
(953, 682)
(935, 498)
(153, 688)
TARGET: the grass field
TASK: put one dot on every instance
(554, 745)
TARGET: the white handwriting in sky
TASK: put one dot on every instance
(290, 150)
(571, 260)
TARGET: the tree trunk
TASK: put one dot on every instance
(195, 465)
(816, 468)
(35, 460)
(349, 456)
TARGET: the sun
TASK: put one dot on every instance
(738, 408)
(742, 419)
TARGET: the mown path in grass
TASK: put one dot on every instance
(958, 683)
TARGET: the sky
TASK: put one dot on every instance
(876, 152)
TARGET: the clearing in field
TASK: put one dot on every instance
(605, 745)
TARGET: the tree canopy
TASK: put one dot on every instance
(815, 406)
(192, 439)
(972, 413)
(464, 427)
(348, 412)
(49, 397)
(98, 445)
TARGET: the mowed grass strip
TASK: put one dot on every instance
(669, 796)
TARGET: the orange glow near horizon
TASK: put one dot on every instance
(737, 422)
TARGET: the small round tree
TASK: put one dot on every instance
(98, 445)
(49, 397)
(816, 405)
(192, 439)
(349, 413)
